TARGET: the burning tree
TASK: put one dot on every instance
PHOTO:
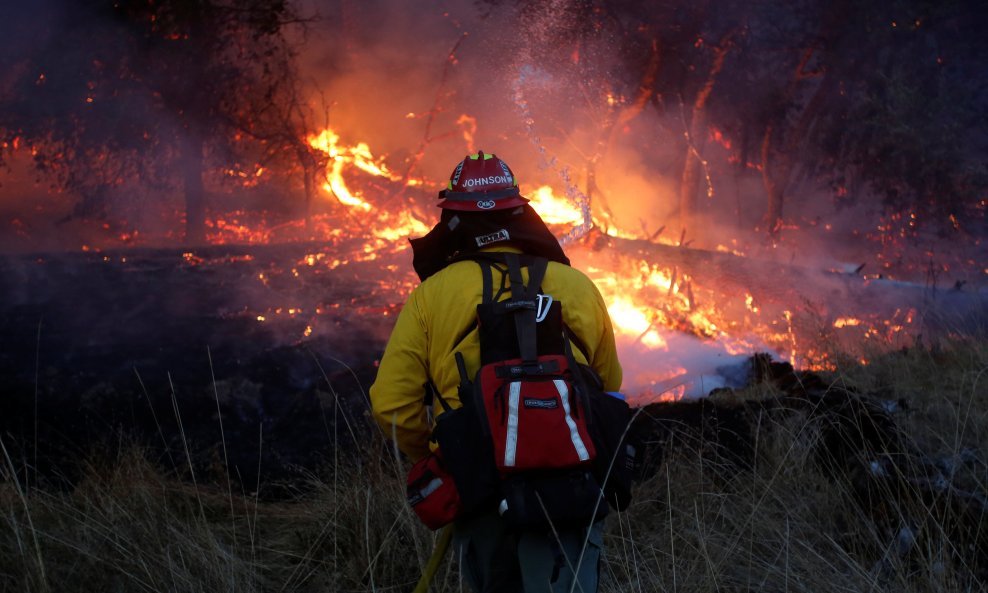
(161, 94)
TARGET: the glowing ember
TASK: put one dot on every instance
(749, 302)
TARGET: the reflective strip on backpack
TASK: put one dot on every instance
(431, 487)
(511, 439)
(574, 433)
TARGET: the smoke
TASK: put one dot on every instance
(686, 368)
(531, 89)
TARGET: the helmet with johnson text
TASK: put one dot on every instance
(481, 182)
(482, 209)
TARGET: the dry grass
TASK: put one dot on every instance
(699, 524)
(126, 528)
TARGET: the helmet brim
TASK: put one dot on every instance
(481, 204)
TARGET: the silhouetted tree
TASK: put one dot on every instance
(876, 99)
(104, 92)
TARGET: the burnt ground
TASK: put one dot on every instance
(162, 347)
(165, 348)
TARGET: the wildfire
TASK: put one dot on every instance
(553, 209)
(749, 302)
(401, 226)
(652, 303)
(390, 227)
(632, 320)
(341, 157)
(846, 322)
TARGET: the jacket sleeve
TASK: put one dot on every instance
(397, 395)
(605, 358)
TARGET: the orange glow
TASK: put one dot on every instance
(720, 138)
(632, 320)
(326, 141)
(666, 385)
(340, 157)
(553, 209)
(469, 126)
(652, 302)
(749, 302)
(403, 226)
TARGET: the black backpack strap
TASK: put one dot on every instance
(488, 275)
(431, 394)
(522, 304)
(488, 262)
(461, 366)
(583, 388)
(576, 342)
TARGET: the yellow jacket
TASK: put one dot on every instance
(438, 313)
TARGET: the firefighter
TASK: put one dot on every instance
(483, 210)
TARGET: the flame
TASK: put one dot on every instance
(469, 126)
(749, 302)
(405, 225)
(632, 320)
(389, 227)
(340, 157)
(553, 209)
(645, 302)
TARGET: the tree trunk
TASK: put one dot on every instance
(775, 177)
(646, 91)
(309, 164)
(777, 169)
(195, 210)
(696, 137)
(689, 185)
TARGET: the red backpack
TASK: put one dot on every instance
(533, 404)
(524, 439)
(535, 414)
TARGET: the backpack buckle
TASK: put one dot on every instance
(527, 369)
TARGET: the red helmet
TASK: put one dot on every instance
(481, 182)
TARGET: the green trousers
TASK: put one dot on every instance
(495, 560)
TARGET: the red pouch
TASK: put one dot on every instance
(537, 422)
(431, 492)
